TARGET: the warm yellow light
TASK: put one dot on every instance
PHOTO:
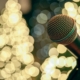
(31, 48)
(2, 40)
(74, 63)
(32, 70)
(78, 19)
(14, 18)
(6, 29)
(56, 73)
(4, 74)
(16, 63)
(23, 72)
(21, 49)
(16, 44)
(53, 51)
(28, 59)
(72, 13)
(69, 6)
(37, 64)
(75, 5)
(5, 54)
(61, 61)
(31, 39)
(21, 29)
(13, 6)
(4, 16)
(10, 78)
(2, 64)
(10, 68)
(21, 77)
(79, 9)
(68, 72)
(76, 0)
(64, 11)
(61, 48)
(69, 62)
(63, 77)
(49, 69)
(53, 60)
(45, 77)
(45, 63)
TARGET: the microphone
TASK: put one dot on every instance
(62, 29)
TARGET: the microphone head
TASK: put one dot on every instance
(62, 29)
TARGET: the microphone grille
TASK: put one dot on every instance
(59, 27)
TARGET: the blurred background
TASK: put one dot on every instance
(37, 14)
(37, 19)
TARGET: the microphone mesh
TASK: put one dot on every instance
(59, 27)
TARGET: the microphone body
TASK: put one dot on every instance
(75, 47)
(62, 29)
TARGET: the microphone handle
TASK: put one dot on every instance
(75, 47)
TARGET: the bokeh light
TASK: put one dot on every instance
(16, 45)
(18, 60)
(61, 48)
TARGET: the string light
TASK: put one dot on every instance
(69, 61)
(53, 51)
(45, 77)
(14, 18)
(51, 64)
(79, 9)
(32, 70)
(12, 5)
(72, 13)
(28, 59)
(61, 61)
(36, 64)
(5, 54)
(10, 68)
(76, 0)
(2, 64)
(2, 40)
(75, 5)
(23, 72)
(64, 11)
(4, 74)
(16, 63)
(56, 74)
(16, 45)
(78, 19)
(62, 77)
(61, 48)
(69, 6)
